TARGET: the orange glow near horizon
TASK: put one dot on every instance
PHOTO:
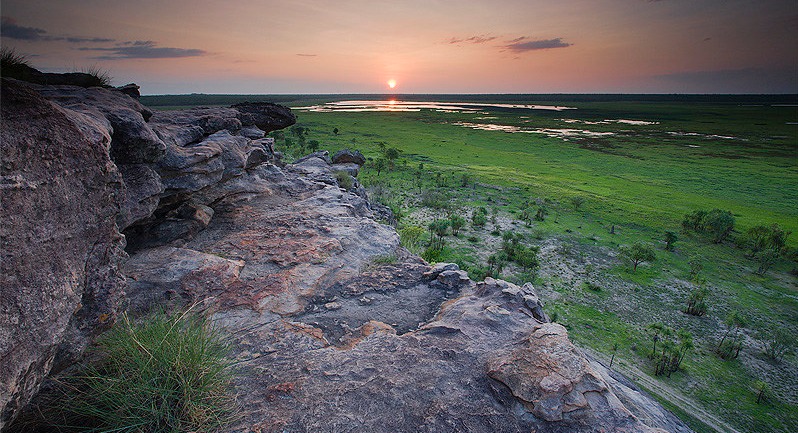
(391, 83)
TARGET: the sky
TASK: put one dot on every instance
(426, 46)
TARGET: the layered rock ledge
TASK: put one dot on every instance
(335, 327)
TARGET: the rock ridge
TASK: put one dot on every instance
(335, 326)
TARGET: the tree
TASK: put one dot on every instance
(335, 131)
(299, 131)
(685, 345)
(438, 228)
(696, 305)
(762, 389)
(577, 201)
(779, 344)
(654, 331)
(526, 258)
(457, 222)
(759, 238)
(313, 145)
(719, 223)
(638, 253)
(496, 263)
(766, 259)
(694, 220)
(734, 321)
(379, 165)
(410, 237)
(464, 180)
(695, 268)
(670, 239)
(391, 154)
(479, 217)
(614, 351)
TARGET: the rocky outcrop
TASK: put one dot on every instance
(59, 279)
(78, 165)
(334, 326)
(348, 156)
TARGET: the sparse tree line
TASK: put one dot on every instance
(765, 244)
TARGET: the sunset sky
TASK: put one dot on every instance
(428, 46)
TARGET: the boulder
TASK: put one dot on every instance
(59, 279)
(344, 156)
(132, 139)
(551, 377)
(347, 167)
(131, 89)
(265, 115)
(436, 270)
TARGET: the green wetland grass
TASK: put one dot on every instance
(640, 167)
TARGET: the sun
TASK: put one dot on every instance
(391, 83)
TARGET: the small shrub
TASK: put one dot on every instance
(779, 344)
(591, 286)
(456, 222)
(479, 217)
(344, 179)
(167, 373)
(410, 238)
(670, 239)
(432, 254)
(577, 202)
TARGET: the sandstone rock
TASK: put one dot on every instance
(322, 155)
(345, 156)
(438, 268)
(265, 115)
(549, 375)
(252, 132)
(59, 280)
(143, 188)
(452, 278)
(209, 120)
(131, 89)
(133, 141)
(349, 168)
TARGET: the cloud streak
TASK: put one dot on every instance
(476, 39)
(10, 29)
(522, 45)
(143, 50)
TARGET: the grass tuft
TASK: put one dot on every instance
(169, 373)
(13, 64)
(100, 77)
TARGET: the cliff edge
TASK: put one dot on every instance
(335, 327)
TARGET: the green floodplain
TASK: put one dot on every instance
(579, 184)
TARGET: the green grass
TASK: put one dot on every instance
(638, 183)
(167, 373)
